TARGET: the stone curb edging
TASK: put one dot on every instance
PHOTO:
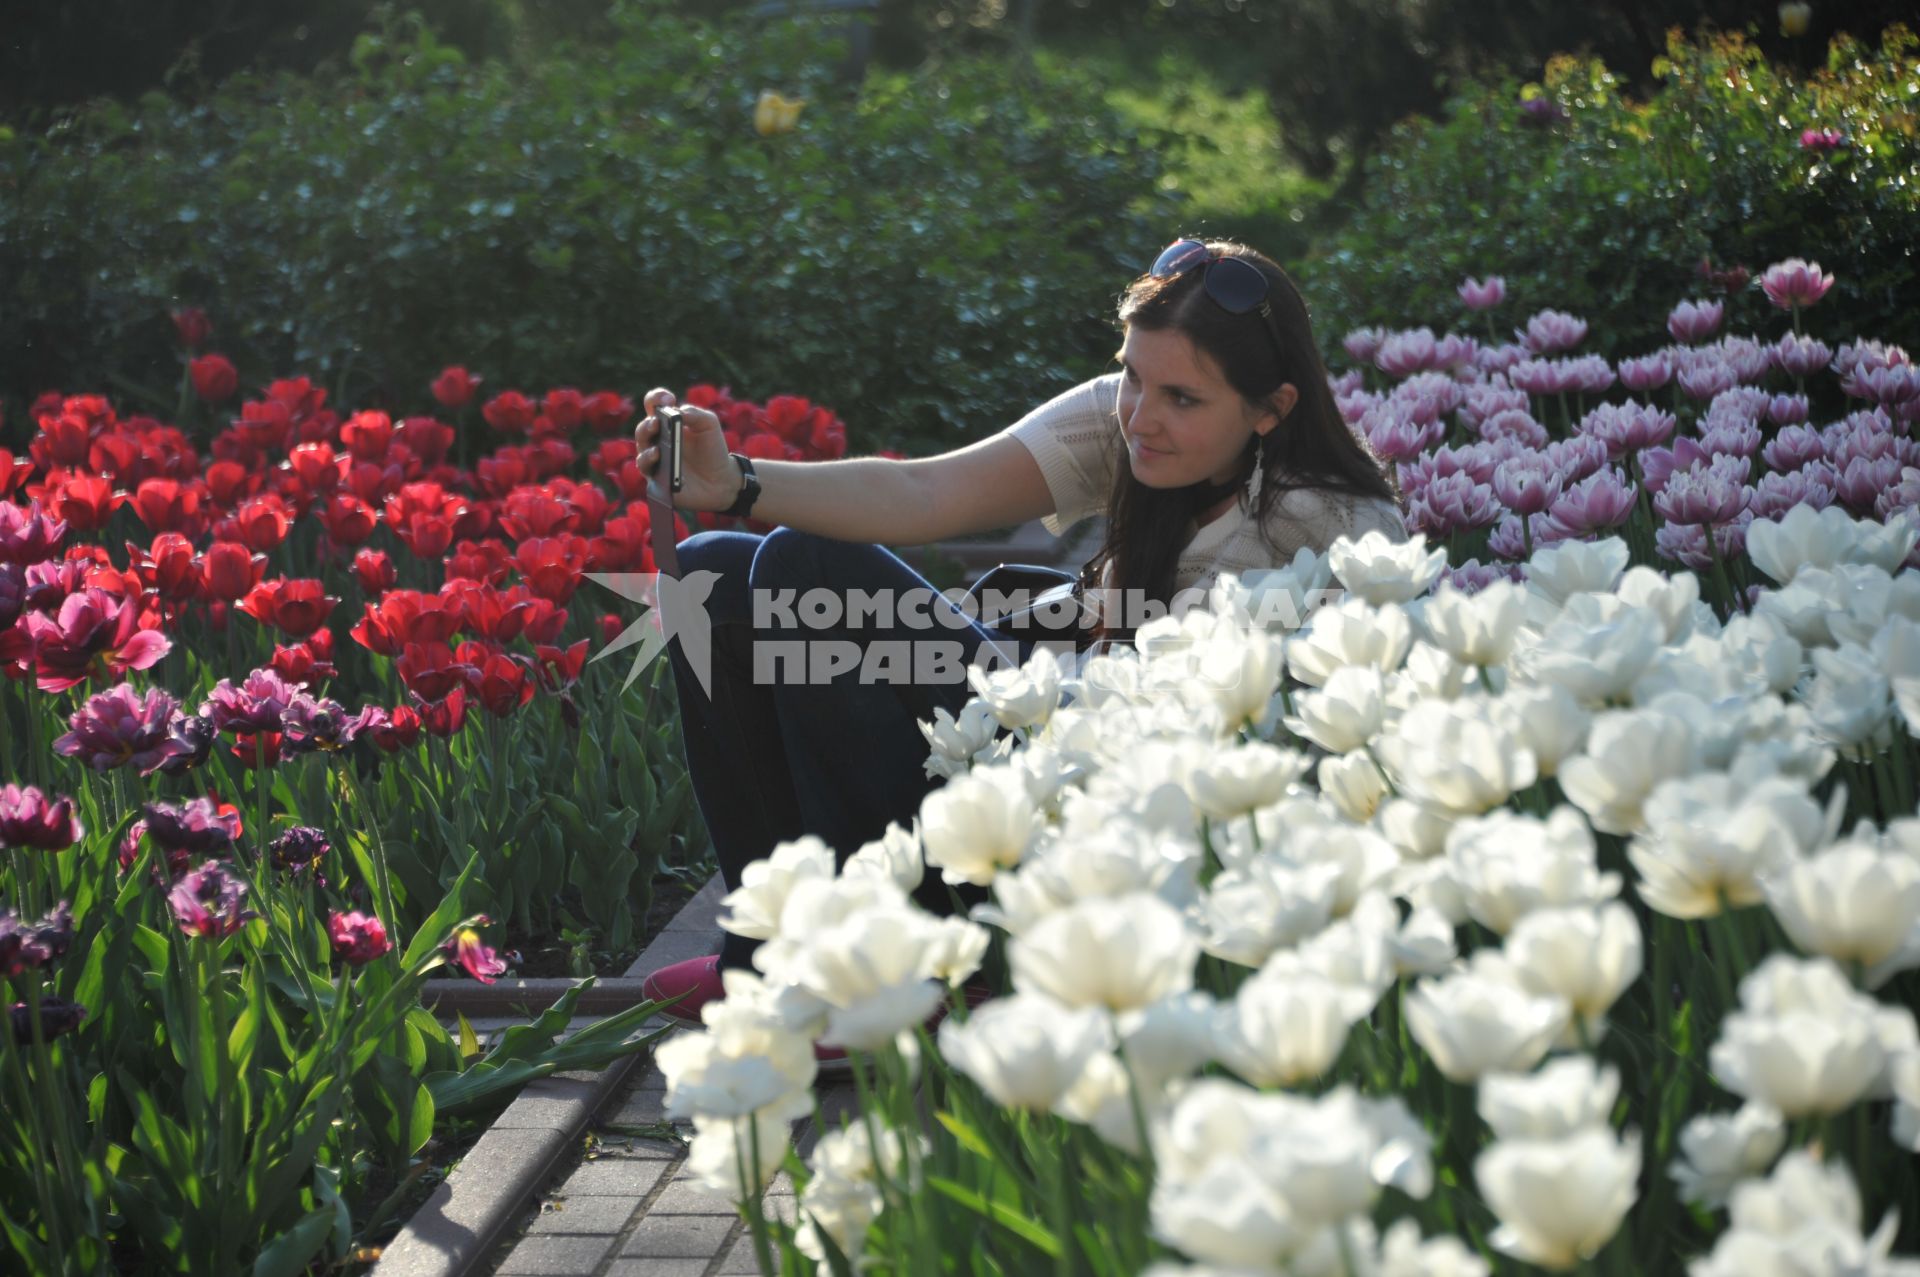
(474, 1206)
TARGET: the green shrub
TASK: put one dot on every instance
(933, 255)
(1608, 213)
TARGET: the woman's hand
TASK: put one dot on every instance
(709, 478)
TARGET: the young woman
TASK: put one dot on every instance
(1217, 446)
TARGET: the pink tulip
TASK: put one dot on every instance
(1399, 438)
(1901, 497)
(1707, 378)
(1865, 356)
(1868, 434)
(1888, 386)
(95, 634)
(1862, 481)
(1825, 141)
(1473, 576)
(1552, 331)
(1602, 500)
(478, 960)
(1515, 424)
(1454, 503)
(1686, 544)
(1648, 372)
(1731, 437)
(197, 826)
(259, 704)
(28, 535)
(1506, 540)
(1695, 321)
(1627, 427)
(1497, 359)
(1777, 493)
(1483, 296)
(1482, 400)
(1787, 410)
(1526, 485)
(1405, 353)
(358, 937)
(1576, 458)
(1800, 356)
(1362, 344)
(206, 903)
(1701, 496)
(120, 727)
(1794, 283)
(1793, 448)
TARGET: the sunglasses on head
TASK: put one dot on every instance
(1234, 284)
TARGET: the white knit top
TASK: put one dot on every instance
(1077, 438)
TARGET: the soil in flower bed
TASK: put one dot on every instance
(549, 956)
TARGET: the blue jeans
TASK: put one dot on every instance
(772, 758)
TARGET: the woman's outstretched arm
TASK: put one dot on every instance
(994, 483)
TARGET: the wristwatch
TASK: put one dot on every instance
(749, 488)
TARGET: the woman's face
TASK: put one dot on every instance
(1183, 423)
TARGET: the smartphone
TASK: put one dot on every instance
(669, 437)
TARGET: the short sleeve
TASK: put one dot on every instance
(1075, 437)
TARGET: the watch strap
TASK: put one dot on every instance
(749, 488)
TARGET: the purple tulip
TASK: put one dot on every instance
(1866, 434)
(206, 902)
(1731, 437)
(1750, 360)
(1901, 497)
(1794, 283)
(1825, 141)
(1800, 356)
(13, 593)
(197, 826)
(120, 727)
(1787, 410)
(1354, 404)
(299, 850)
(1483, 296)
(1404, 353)
(1454, 503)
(1398, 438)
(1541, 112)
(94, 634)
(28, 536)
(1473, 576)
(1526, 485)
(257, 705)
(1493, 360)
(57, 1016)
(1695, 321)
(1705, 378)
(1686, 544)
(28, 818)
(1516, 424)
(1648, 372)
(1865, 356)
(1552, 331)
(1887, 386)
(190, 741)
(357, 937)
(1600, 501)
(1482, 400)
(1711, 495)
(1777, 493)
(1576, 458)
(1862, 481)
(1627, 427)
(1347, 383)
(1362, 344)
(323, 724)
(27, 948)
(1542, 376)
(1506, 540)
(1793, 447)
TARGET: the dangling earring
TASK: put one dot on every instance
(1259, 470)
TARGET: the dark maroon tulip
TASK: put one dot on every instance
(196, 826)
(120, 727)
(206, 903)
(28, 818)
(258, 705)
(29, 536)
(57, 1016)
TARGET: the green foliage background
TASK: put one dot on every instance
(928, 255)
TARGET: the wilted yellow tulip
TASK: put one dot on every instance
(1794, 17)
(775, 114)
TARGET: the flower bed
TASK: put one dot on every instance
(1390, 915)
(298, 711)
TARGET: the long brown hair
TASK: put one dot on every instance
(1311, 448)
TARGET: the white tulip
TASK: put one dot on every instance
(1285, 1030)
(1249, 911)
(1802, 1040)
(741, 1064)
(1573, 1093)
(1424, 944)
(724, 1153)
(895, 856)
(1560, 571)
(1849, 698)
(1718, 1150)
(1278, 600)
(1354, 783)
(1763, 651)
(753, 908)
(1120, 954)
(1852, 903)
(1588, 955)
(814, 906)
(1804, 1218)
(953, 742)
(978, 824)
(1167, 1040)
(1546, 719)
(1804, 537)
(1674, 599)
(1345, 714)
(1474, 629)
(1351, 632)
(1022, 696)
(1558, 1201)
(1024, 1051)
(1903, 1077)
(1596, 660)
(1102, 1098)
(1404, 1253)
(1709, 839)
(1381, 570)
(1235, 779)
(1507, 865)
(1234, 674)
(1418, 830)
(1453, 755)
(1628, 753)
(1472, 1024)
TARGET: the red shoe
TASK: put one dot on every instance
(697, 982)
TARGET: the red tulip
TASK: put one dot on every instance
(445, 718)
(536, 512)
(560, 668)
(608, 412)
(65, 440)
(367, 435)
(455, 387)
(13, 473)
(215, 379)
(85, 501)
(510, 412)
(500, 681)
(564, 408)
(349, 520)
(399, 729)
(169, 568)
(192, 327)
(431, 671)
(296, 607)
(167, 505)
(428, 438)
(229, 570)
(486, 561)
(375, 572)
(263, 522)
(551, 566)
(316, 466)
(403, 617)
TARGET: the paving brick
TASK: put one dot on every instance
(615, 1145)
(615, 1177)
(639, 1108)
(658, 1268)
(741, 1260)
(672, 1236)
(682, 1197)
(584, 1214)
(557, 1256)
